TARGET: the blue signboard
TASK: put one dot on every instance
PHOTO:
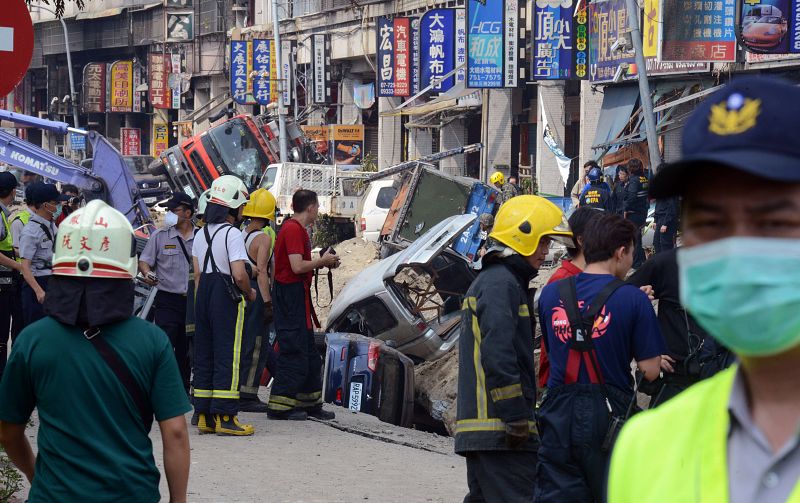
(385, 56)
(77, 141)
(703, 30)
(239, 71)
(438, 47)
(771, 26)
(485, 43)
(608, 21)
(559, 41)
(261, 82)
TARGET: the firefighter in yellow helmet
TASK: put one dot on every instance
(497, 383)
(97, 375)
(259, 241)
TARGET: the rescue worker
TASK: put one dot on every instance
(297, 388)
(498, 179)
(596, 194)
(10, 269)
(618, 193)
(37, 244)
(734, 437)
(510, 189)
(495, 426)
(97, 376)
(636, 205)
(259, 242)
(582, 182)
(166, 264)
(593, 325)
(486, 222)
(219, 258)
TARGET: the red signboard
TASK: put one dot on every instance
(16, 44)
(402, 56)
(131, 141)
(94, 88)
(158, 69)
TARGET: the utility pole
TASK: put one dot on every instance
(644, 86)
(276, 28)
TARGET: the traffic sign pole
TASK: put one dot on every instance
(16, 44)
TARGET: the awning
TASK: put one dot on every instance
(116, 11)
(618, 103)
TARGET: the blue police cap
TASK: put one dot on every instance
(178, 199)
(748, 125)
(38, 192)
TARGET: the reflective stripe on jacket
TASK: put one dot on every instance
(686, 443)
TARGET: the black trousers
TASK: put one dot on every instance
(217, 346)
(663, 241)
(573, 423)
(298, 380)
(170, 316)
(10, 318)
(255, 347)
(31, 309)
(501, 476)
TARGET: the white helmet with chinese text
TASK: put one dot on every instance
(229, 191)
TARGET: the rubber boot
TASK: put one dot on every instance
(206, 423)
(230, 425)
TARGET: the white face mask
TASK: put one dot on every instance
(171, 219)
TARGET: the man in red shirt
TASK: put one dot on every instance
(297, 390)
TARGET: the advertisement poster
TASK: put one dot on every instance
(651, 36)
(180, 26)
(240, 50)
(94, 88)
(321, 61)
(770, 26)
(485, 49)
(160, 136)
(348, 144)
(122, 86)
(158, 69)
(385, 57)
(261, 82)
(319, 136)
(438, 44)
(608, 20)
(130, 141)
(698, 30)
(560, 40)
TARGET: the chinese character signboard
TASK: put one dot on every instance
(402, 56)
(698, 30)
(261, 58)
(385, 56)
(461, 46)
(608, 20)
(437, 46)
(321, 62)
(131, 141)
(240, 54)
(122, 86)
(415, 56)
(560, 40)
(651, 37)
(485, 43)
(94, 88)
(287, 56)
(158, 69)
(160, 136)
(348, 144)
(180, 26)
(771, 26)
(511, 45)
(394, 56)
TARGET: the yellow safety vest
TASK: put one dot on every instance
(6, 245)
(271, 233)
(682, 445)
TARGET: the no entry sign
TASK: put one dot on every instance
(16, 43)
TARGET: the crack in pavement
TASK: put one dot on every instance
(380, 438)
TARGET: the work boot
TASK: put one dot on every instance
(230, 425)
(195, 417)
(252, 405)
(206, 423)
(320, 413)
(291, 415)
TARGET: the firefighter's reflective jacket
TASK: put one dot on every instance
(496, 378)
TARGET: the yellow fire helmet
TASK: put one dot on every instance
(203, 201)
(260, 205)
(95, 241)
(523, 220)
(228, 191)
(498, 178)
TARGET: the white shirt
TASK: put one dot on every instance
(222, 256)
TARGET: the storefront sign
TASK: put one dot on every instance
(131, 141)
(321, 50)
(698, 30)
(94, 88)
(261, 82)
(437, 44)
(158, 69)
(461, 46)
(177, 81)
(240, 50)
(651, 37)
(385, 56)
(511, 48)
(394, 56)
(415, 56)
(771, 26)
(608, 20)
(273, 71)
(180, 26)
(485, 49)
(655, 67)
(122, 86)
(348, 144)
(402, 56)
(287, 56)
(560, 40)
(160, 135)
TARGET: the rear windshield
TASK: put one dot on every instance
(385, 197)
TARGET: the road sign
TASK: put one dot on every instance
(77, 141)
(16, 44)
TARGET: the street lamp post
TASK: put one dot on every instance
(281, 83)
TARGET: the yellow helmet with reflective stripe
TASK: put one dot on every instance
(228, 191)
(95, 241)
(260, 205)
(498, 178)
(523, 220)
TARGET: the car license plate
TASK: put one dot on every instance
(355, 396)
(150, 200)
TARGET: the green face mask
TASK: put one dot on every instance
(745, 292)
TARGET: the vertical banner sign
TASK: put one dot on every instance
(385, 57)
(580, 53)
(159, 93)
(287, 51)
(273, 71)
(94, 88)
(160, 135)
(485, 43)
(261, 83)
(239, 71)
(562, 160)
(175, 61)
(437, 44)
(320, 93)
(608, 21)
(554, 40)
(131, 140)
(415, 73)
(652, 28)
(137, 82)
(348, 144)
(771, 26)
(511, 48)
(461, 47)
(699, 30)
(122, 86)
(402, 56)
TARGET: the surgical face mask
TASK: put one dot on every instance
(55, 211)
(745, 292)
(171, 219)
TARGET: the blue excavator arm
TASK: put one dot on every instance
(108, 179)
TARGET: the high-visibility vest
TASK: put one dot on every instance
(678, 452)
(269, 231)
(7, 244)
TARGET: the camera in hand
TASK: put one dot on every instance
(329, 249)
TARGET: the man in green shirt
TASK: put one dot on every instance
(97, 375)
